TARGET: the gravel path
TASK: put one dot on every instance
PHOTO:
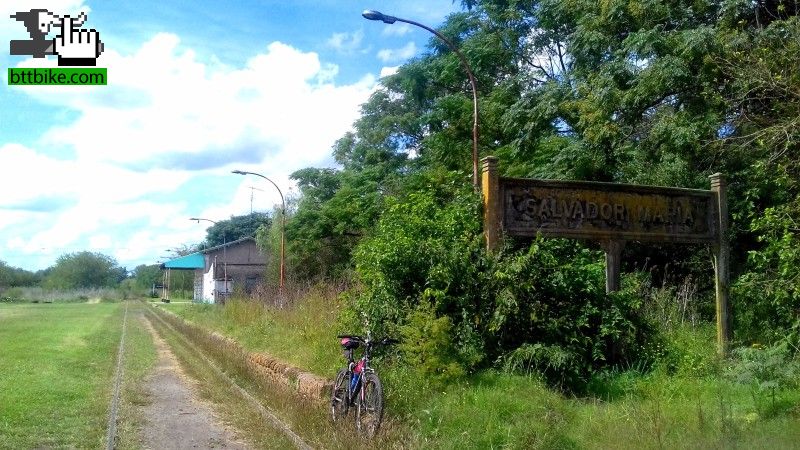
(176, 418)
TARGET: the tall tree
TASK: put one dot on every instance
(13, 277)
(85, 270)
(237, 227)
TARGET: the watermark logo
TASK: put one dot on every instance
(74, 46)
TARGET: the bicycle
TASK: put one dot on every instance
(358, 385)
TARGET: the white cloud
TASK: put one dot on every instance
(397, 29)
(38, 176)
(386, 71)
(161, 101)
(399, 54)
(166, 119)
(100, 242)
(346, 43)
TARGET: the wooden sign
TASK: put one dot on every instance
(606, 211)
(612, 214)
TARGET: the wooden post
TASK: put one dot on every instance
(492, 203)
(613, 250)
(721, 263)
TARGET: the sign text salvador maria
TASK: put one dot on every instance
(606, 211)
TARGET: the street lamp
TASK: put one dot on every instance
(283, 222)
(224, 251)
(370, 14)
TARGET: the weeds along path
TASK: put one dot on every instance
(217, 383)
(111, 433)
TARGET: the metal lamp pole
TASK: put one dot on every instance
(283, 223)
(375, 15)
(224, 250)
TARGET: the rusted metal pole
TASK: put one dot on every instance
(722, 263)
(283, 224)
(375, 15)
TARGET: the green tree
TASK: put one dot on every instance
(144, 276)
(13, 277)
(237, 227)
(85, 270)
(765, 105)
(635, 91)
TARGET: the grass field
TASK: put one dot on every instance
(57, 364)
(697, 407)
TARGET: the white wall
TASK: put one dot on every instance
(209, 285)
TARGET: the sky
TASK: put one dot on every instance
(195, 90)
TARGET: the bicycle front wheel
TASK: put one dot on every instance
(339, 400)
(370, 406)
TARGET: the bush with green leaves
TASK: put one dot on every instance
(425, 274)
(767, 370)
(551, 314)
(426, 341)
(770, 288)
(426, 249)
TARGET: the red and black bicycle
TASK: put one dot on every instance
(358, 386)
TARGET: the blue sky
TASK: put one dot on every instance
(196, 89)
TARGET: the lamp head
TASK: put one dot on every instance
(371, 14)
(239, 172)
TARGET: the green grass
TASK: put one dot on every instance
(57, 366)
(662, 411)
(687, 403)
(304, 335)
(140, 357)
(309, 419)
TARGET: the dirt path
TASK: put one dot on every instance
(176, 418)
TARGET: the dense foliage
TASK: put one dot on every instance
(14, 277)
(85, 270)
(427, 277)
(634, 91)
(237, 227)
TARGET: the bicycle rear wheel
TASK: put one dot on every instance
(339, 401)
(370, 406)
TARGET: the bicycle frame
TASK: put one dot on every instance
(366, 369)
(357, 385)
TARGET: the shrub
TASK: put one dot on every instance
(425, 274)
(427, 345)
(767, 370)
(428, 255)
(552, 312)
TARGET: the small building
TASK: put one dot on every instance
(219, 271)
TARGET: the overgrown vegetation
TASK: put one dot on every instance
(689, 401)
(645, 92)
(632, 91)
(622, 91)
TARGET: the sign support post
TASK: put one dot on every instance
(721, 263)
(613, 249)
(492, 203)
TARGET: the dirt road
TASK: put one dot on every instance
(176, 418)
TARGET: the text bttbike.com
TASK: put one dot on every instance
(58, 76)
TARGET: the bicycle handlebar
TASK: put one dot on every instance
(350, 336)
(384, 341)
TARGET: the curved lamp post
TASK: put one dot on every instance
(370, 14)
(224, 251)
(283, 222)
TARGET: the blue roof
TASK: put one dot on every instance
(191, 261)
